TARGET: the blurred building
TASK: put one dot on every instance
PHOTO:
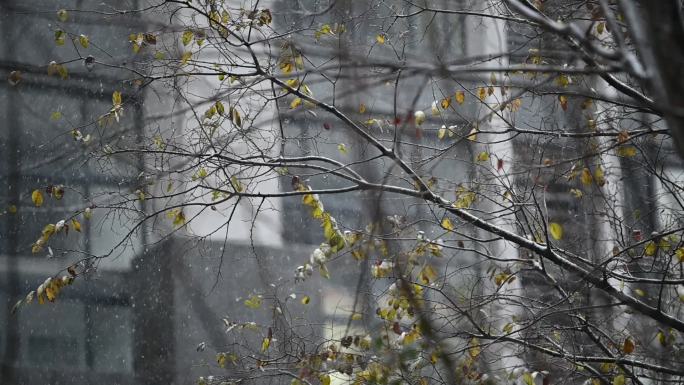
(90, 336)
(153, 312)
(140, 316)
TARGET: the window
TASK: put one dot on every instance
(111, 338)
(670, 197)
(80, 332)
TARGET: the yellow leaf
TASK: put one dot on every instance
(626, 151)
(56, 115)
(187, 37)
(219, 107)
(62, 71)
(62, 15)
(237, 185)
(650, 249)
(556, 230)
(292, 83)
(502, 278)
(410, 337)
(606, 367)
(680, 254)
(325, 379)
(310, 200)
(460, 97)
(210, 112)
(599, 177)
(60, 37)
(515, 104)
(474, 350)
(464, 198)
(628, 345)
(12, 209)
(324, 30)
(51, 288)
(221, 360)
(528, 379)
(286, 67)
(58, 192)
(356, 317)
(237, 118)
(447, 224)
(600, 27)
(201, 173)
(342, 148)
(253, 302)
(482, 93)
(48, 230)
(619, 379)
(186, 57)
(179, 218)
(446, 102)
(295, 103)
(85, 42)
(419, 116)
(483, 156)
(265, 344)
(434, 110)
(434, 357)
(362, 108)
(428, 274)
(305, 300)
(576, 193)
(441, 133)
(116, 98)
(586, 177)
(51, 294)
(563, 80)
(472, 135)
(37, 198)
(76, 225)
(380, 38)
(563, 102)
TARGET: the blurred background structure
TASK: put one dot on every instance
(146, 313)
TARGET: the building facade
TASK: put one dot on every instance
(158, 309)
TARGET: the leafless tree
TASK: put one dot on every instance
(484, 162)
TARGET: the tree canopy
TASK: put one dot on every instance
(498, 182)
